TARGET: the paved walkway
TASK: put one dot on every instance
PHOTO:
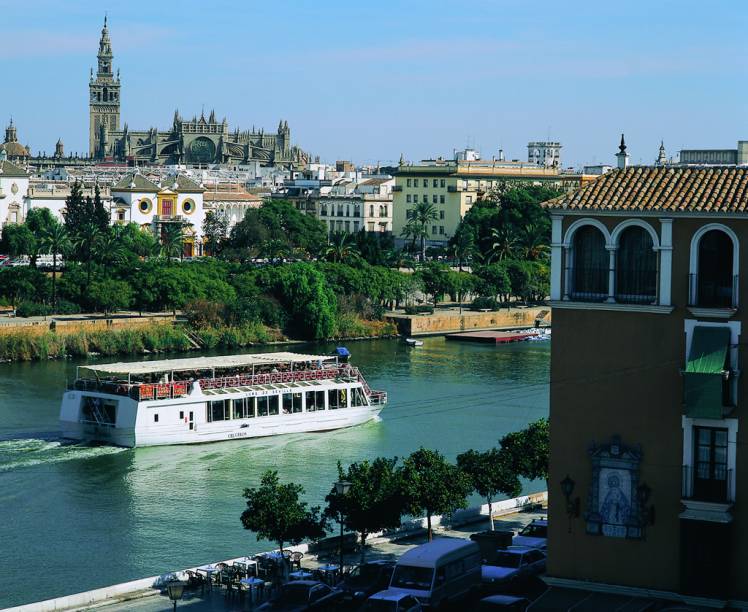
(380, 549)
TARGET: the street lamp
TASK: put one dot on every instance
(175, 588)
(572, 505)
(341, 488)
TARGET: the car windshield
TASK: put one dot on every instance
(381, 605)
(295, 594)
(409, 577)
(535, 531)
(507, 559)
(364, 574)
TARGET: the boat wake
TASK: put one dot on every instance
(27, 452)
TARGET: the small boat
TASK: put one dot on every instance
(413, 342)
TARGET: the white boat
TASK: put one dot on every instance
(207, 399)
(413, 342)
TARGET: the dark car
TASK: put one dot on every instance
(304, 595)
(502, 602)
(366, 579)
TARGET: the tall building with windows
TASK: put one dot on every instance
(103, 101)
(648, 466)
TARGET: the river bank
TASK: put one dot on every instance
(39, 343)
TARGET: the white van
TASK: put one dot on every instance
(439, 571)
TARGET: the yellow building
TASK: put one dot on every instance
(454, 186)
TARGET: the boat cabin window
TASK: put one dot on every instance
(358, 398)
(262, 406)
(244, 408)
(337, 398)
(291, 403)
(155, 418)
(219, 411)
(315, 400)
(268, 405)
(274, 403)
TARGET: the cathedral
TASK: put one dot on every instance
(197, 141)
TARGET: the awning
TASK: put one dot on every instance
(704, 374)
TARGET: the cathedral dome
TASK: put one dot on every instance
(14, 149)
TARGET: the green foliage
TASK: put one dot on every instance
(108, 295)
(490, 474)
(433, 275)
(203, 313)
(432, 485)
(527, 452)
(215, 230)
(275, 512)
(23, 283)
(33, 309)
(419, 309)
(341, 248)
(493, 281)
(375, 500)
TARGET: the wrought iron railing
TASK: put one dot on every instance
(707, 483)
(588, 284)
(636, 287)
(706, 291)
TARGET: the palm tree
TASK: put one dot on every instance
(463, 245)
(534, 242)
(422, 216)
(172, 240)
(341, 248)
(55, 240)
(84, 244)
(504, 243)
(109, 247)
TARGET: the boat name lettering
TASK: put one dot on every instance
(240, 434)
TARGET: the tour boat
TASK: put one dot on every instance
(207, 399)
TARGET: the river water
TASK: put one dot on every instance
(74, 518)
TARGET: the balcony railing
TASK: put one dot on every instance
(712, 483)
(709, 292)
(636, 287)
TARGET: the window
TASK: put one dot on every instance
(181, 415)
(441, 214)
(434, 199)
(274, 405)
(712, 285)
(371, 210)
(441, 199)
(435, 183)
(188, 207)
(120, 215)
(441, 230)
(355, 226)
(407, 182)
(291, 403)
(468, 199)
(636, 267)
(407, 198)
(589, 277)
(433, 229)
(219, 411)
(155, 418)
(262, 406)
(144, 206)
(244, 408)
(337, 398)
(315, 400)
(442, 183)
(408, 213)
(425, 198)
(357, 397)
(425, 182)
(710, 475)
(167, 207)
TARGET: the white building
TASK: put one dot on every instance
(544, 153)
(14, 185)
(353, 206)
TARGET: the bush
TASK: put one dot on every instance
(419, 309)
(482, 303)
(65, 307)
(33, 309)
(203, 313)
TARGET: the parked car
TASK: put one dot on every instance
(366, 579)
(304, 595)
(440, 571)
(534, 535)
(502, 602)
(513, 564)
(392, 600)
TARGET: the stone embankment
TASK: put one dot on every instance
(147, 587)
(449, 320)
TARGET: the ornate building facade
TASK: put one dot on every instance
(197, 141)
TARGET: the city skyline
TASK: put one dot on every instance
(367, 85)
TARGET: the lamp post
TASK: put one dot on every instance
(572, 505)
(341, 488)
(175, 588)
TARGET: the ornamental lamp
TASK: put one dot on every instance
(342, 487)
(567, 487)
(175, 589)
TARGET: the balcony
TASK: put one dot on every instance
(712, 295)
(588, 284)
(707, 499)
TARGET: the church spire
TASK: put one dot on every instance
(661, 155)
(105, 52)
(622, 156)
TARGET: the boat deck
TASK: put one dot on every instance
(492, 337)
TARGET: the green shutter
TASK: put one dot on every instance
(704, 372)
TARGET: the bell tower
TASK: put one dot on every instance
(104, 98)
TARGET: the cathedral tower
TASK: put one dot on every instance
(104, 97)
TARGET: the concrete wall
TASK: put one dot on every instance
(452, 321)
(41, 325)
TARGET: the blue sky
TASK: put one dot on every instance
(370, 80)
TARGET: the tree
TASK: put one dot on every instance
(76, 211)
(374, 502)
(84, 242)
(275, 512)
(215, 230)
(341, 249)
(490, 475)
(109, 295)
(422, 216)
(22, 283)
(55, 240)
(462, 244)
(432, 485)
(527, 451)
(172, 240)
(109, 247)
(39, 221)
(504, 243)
(19, 240)
(434, 278)
(494, 280)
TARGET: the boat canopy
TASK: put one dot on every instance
(201, 363)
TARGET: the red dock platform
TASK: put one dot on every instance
(492, 337)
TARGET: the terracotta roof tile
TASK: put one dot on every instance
(644, 188)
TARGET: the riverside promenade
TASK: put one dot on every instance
(147, 594)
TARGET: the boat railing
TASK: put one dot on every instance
(270, 378)
(378, 398)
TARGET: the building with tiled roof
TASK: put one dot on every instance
(649, 288)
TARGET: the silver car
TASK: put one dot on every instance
(513, 564)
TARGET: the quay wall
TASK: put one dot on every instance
(41, 325)
(153, 584)
(448, 321)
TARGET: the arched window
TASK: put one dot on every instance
(589, 265)
(636, 267)
(714, 279)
